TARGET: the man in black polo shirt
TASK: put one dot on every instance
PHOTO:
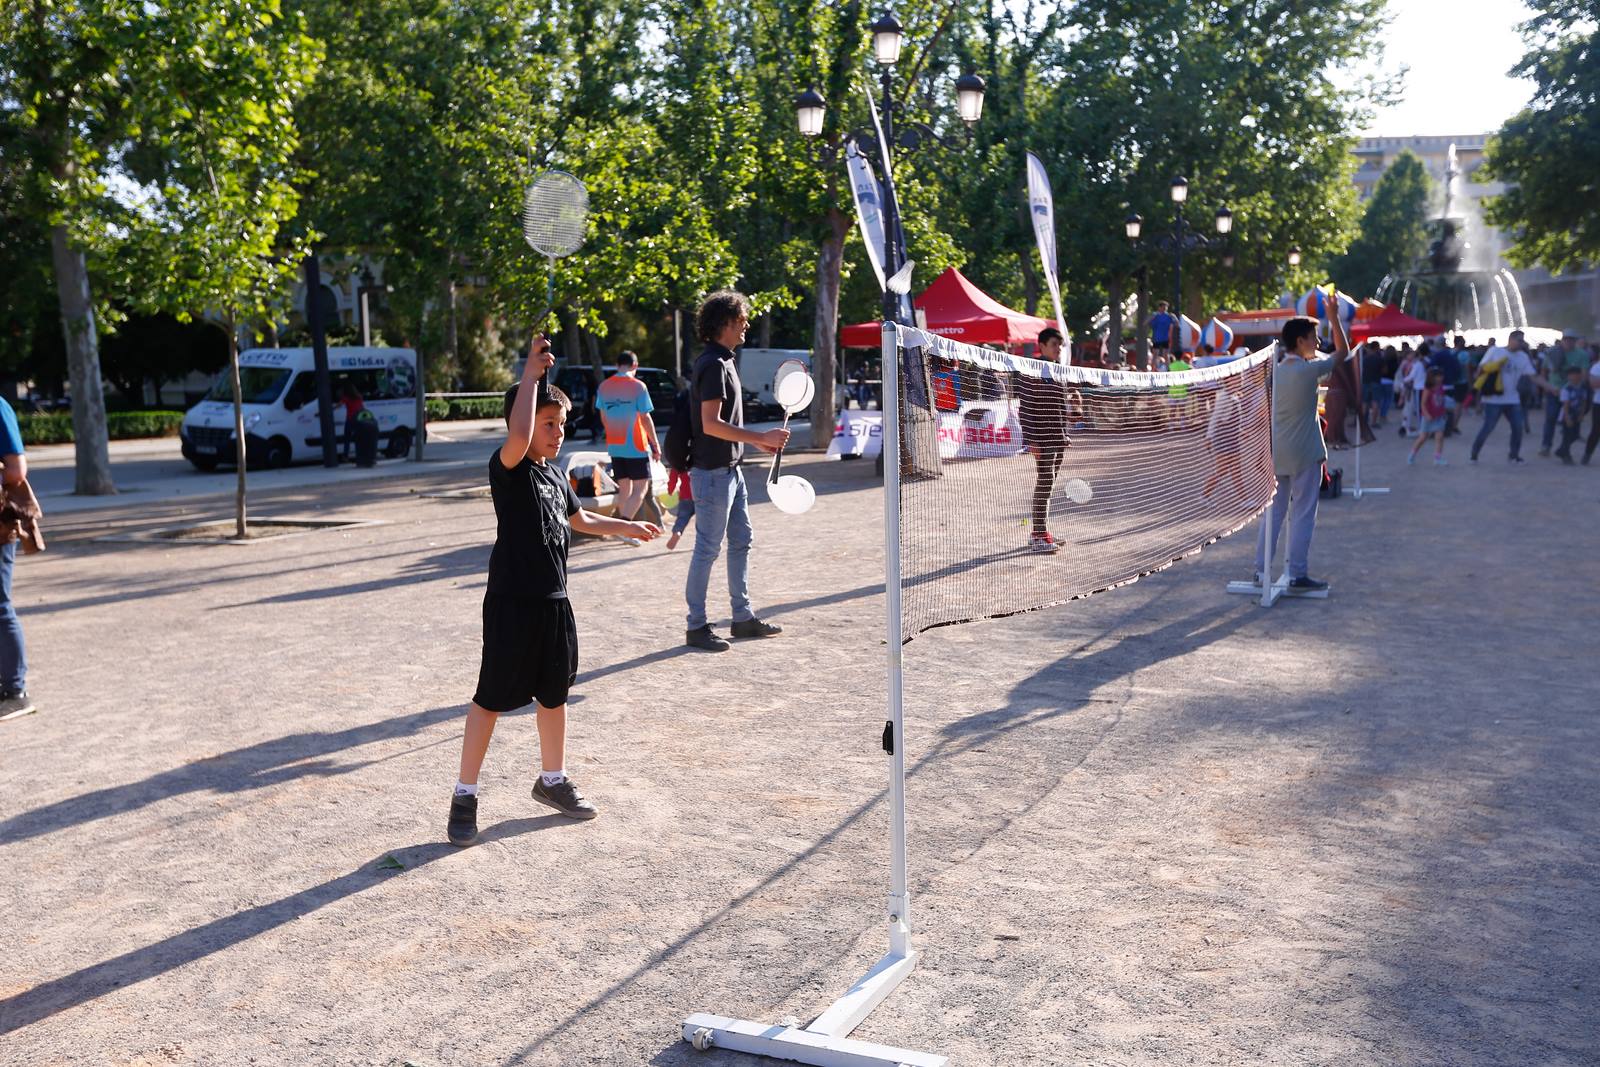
(722, 507)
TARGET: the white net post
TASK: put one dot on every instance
(1361, 410)
(899, 899)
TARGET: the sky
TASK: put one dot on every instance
(1458, 52)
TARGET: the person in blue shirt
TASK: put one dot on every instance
(1161, 324)
(14, 701)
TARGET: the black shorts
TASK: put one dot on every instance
(635, 467)
(530, 653)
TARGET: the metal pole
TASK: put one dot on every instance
(677, 342)
(319, 354)
(893, 241)
(1177, 244)
(899, 902)
(366, 319)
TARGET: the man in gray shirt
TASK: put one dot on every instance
(1298, 450)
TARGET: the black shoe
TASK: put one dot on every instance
(755, 628)
(705, 638)
(15, 706)
(1516, 459)
(565, 798)
(462, 830)
(1565, 457)
(1585, 460)
(1305, 584)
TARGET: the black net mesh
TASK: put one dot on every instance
(1025, 483)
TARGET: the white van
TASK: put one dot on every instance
(282, 422)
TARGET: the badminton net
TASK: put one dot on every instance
(1158, 466)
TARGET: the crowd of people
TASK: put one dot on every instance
(1429, 388)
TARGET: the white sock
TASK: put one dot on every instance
(465, 790)
(553, 777)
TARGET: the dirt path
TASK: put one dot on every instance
(1158, 826)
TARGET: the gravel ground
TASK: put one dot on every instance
(1162, 825)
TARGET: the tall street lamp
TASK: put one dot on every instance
(1181, 238)
(899, 134)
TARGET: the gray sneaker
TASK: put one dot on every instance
(15, 706)
(565, 798)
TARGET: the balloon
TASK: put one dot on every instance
(1188, 333)
(1218, 335)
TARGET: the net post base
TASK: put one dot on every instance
(1279, 588)
(1362, 491)
(824, 1042)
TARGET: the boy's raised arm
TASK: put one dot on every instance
(519, 426)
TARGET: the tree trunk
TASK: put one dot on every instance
(91, 440)
(241, 454)
(825, 330)
(765, 330)
(1111, 354)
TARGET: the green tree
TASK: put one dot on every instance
(1238, 99)
(1547, 152)
(215, 157)
(1394, 228)
(69, 76)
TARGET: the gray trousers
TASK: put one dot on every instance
(1297, 495)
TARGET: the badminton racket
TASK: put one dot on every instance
(555, 221)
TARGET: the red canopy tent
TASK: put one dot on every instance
(959, 310)
(1392, 322)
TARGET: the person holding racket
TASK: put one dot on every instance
(1042, 410)
(722, 505)
(530, 639)
(1298, 449)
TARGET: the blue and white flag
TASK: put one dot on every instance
(1042, 207)
(869, 208)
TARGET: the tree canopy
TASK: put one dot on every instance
(1394, 228)
(1549, 153)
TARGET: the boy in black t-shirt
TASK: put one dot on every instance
(530, 641)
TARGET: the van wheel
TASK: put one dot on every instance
(278, 453)
(399, 443)
(206, 465)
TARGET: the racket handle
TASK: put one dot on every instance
(777, 457)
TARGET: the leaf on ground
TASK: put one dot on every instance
(389, 863)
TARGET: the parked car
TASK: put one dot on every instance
(577, 381)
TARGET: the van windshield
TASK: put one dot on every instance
(257, 385)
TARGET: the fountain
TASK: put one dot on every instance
(1457, 283)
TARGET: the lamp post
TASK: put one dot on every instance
(898, 133)
(1181, 238)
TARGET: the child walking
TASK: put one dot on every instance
(530, 640)
(1574, 404)
(675, 453)
(1435, 419)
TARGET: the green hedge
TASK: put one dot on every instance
(472, 407)
(56, 429)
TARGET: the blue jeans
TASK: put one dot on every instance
(1296, 495)
(13, 657)
(721, 509)
(1552, 416)
(1491, 415)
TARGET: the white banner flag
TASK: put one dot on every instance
(1042, 206)
(869, 208)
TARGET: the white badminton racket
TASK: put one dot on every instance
(555, 222)
(793, 389)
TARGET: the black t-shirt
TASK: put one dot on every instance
(715, 378)
(532, 503)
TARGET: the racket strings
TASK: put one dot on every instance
(555, 214)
